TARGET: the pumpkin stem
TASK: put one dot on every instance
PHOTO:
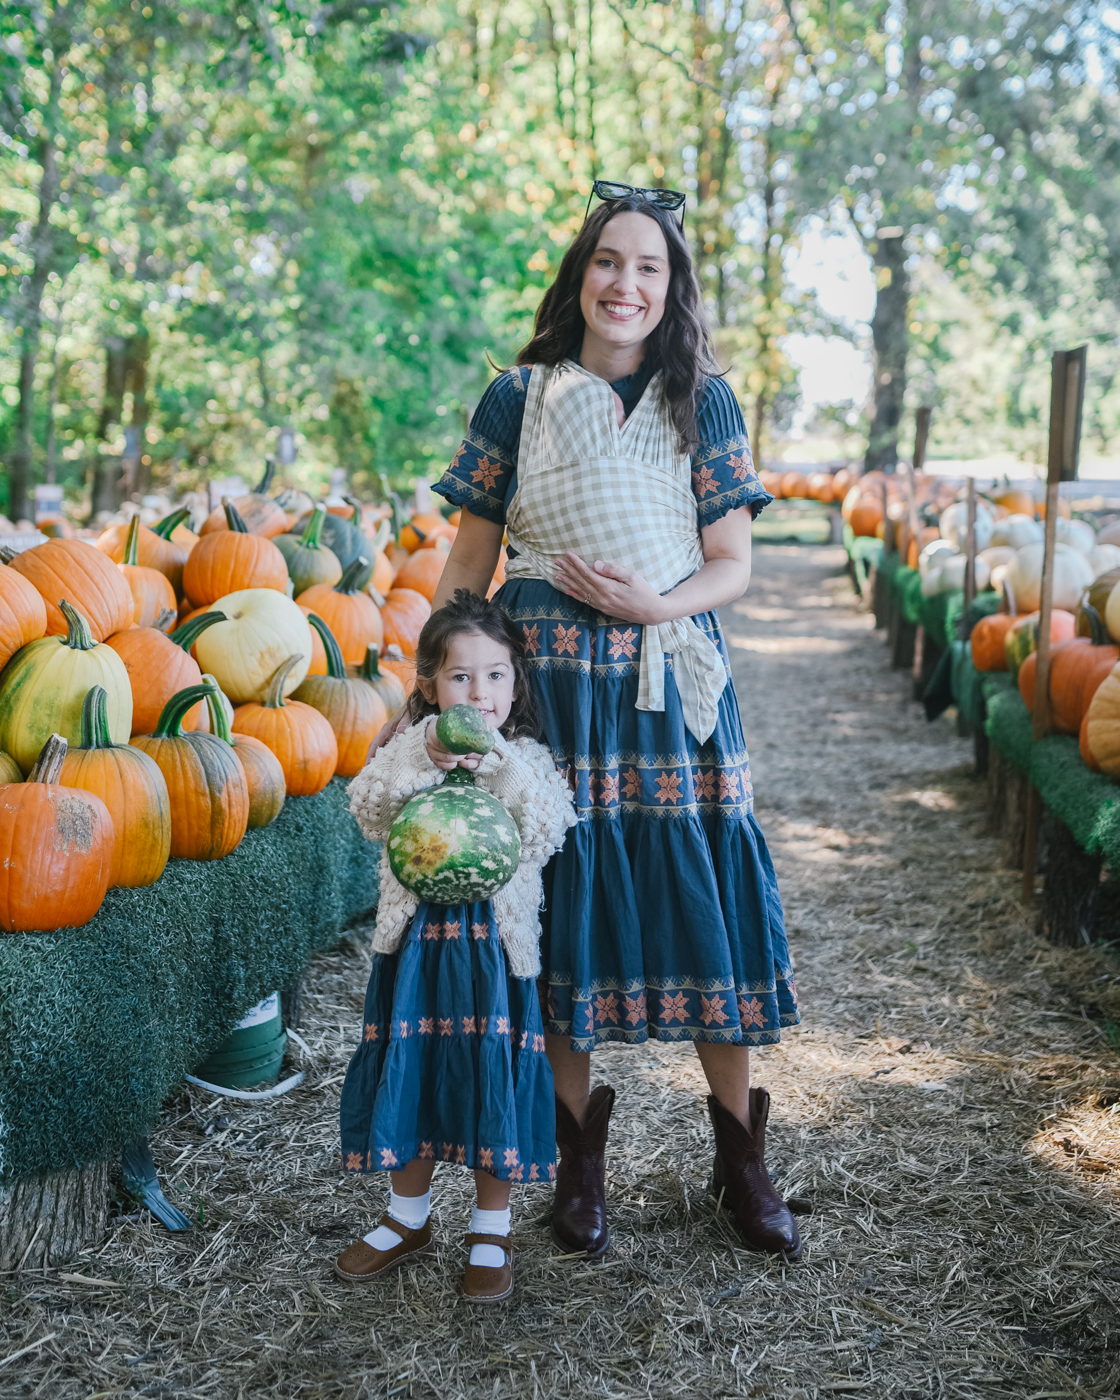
(369, 670)
(78, 635)
(348, 583)
(393, 652)
(1097, 633)
(310, 537)
(48, 766)
(132, 542)
(336, 667)
(95, 720)
(219, 715)
(274, 700)
(381, 535)
(1009, 596)
(191, 630)
(165, 622)
(171, 716)
(166, 527)
(265, 483)
(233, 517)
(6, 554)
(356, 506)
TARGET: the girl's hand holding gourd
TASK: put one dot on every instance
(443, 758)
(611, 590)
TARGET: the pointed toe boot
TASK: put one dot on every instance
(579, 1211)
(763, 1219)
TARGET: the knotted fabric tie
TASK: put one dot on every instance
(697, 668)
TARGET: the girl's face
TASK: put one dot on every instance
(476, 671)
(626, 281)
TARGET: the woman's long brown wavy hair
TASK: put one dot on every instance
(680, 345)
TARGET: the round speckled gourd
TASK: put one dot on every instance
(455, 843)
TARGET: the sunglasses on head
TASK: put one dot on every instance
(607, 190)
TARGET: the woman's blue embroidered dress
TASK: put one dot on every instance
(662, 916)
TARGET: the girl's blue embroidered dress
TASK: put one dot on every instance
(662, 916)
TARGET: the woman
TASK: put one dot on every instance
(619, 462)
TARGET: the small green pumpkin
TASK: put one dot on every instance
(309, 561)
(455, 844)
(345, 541)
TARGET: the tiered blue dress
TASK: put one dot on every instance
(662, 916)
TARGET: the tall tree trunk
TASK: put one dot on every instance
(31, 312)
(771, 290)
(890, 339)
(106, 468)
(134, 476)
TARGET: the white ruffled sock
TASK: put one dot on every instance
(489, 1222)
(410, 1211)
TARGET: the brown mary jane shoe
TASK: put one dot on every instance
(485, 1285)
(360, 1262)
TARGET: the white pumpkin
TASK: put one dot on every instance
(1076, 533)
(1072, 575)
(999, 574)
(931, 582)
(1110, 534)
(953, 524)
(1103, 557)
(263, 628)
(996, 554)
(934, 555)
(953, 570)
(1112, 612)
(1016, 531)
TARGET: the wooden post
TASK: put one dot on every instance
(912, 514)
(921, 435)
(889, 544)
(1067, 390)
(970, 545)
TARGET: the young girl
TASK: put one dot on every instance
(451, 1065)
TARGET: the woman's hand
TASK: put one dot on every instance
(392, 727)
(612, 590)
(444, 758)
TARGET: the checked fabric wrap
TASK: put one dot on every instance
(619, 494)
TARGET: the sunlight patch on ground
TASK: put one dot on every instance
(778, 646)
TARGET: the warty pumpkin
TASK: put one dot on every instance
(300, 737)
(152, 593)
(44, 686)
(131, 787)
(159, 667)
(260, 513)
(205, 782)
(388, 686)
(75, 570)
(163, 546)
(351, 706)
(56, 849)
(23, 614)
(229, 561)
(987, 642)
(403, 618)
(309, 560)
(263, 773)
(260, 629)
(351, 614)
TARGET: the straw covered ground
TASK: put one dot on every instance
(951, 1106)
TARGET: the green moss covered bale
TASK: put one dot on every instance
(99, 1024)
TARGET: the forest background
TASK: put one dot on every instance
(232, 228)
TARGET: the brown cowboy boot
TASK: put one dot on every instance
(579, 1210)
(761, 1216)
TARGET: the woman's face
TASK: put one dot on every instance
(626, 281)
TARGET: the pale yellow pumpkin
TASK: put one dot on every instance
(1072, 575)
(263, 628)
(1102, 724)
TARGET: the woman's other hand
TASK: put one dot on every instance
(611, 589)
(392, 727)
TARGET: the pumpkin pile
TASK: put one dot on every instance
(163, 692)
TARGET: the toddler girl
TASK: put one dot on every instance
(451, 1064)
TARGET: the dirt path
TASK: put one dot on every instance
(946, 1105)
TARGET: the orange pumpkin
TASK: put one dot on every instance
(394, 661)
(987, 642)
(422, 571)
(227, 561)
(152, 594)
(263, 774)
(388, 686)
(163, 546)
(866, 515)
(1077, 668)
(795, 486)
(1087, 755)
(55, 527)
(131, 787)
(205, 781)
(260, 513)
(56, 849)
(86, 578)
(159, 667)
(23, 614)
(300, 737)
(403, 618)
(353, 708)
(350, 613)
(419, 527)
(454, 518)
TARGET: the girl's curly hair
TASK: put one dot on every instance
(467, 612)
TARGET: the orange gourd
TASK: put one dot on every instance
(152, 593)
(388, 686)
(353, 708)
(205, 782)
(131, 787)
(422, 571)
(56, 849)
(403, 618)
(23, 614)
(227, 561)
(159, 667)
(263, 774)
(260, 513)
(300, 737)
(987, 642)
(163, 546)
(86, 578)
(350, 613)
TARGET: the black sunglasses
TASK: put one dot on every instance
(607, 190)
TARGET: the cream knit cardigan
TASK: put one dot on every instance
(520, 773)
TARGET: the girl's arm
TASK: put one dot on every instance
(473, 558)
(392, 778)
(626, 595)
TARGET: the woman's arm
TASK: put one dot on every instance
(473, 558)
(626, 595)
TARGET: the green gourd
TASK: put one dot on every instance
(309, 561)
(455, 844)
(345, 541)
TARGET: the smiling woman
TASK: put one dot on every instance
(617, 460)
